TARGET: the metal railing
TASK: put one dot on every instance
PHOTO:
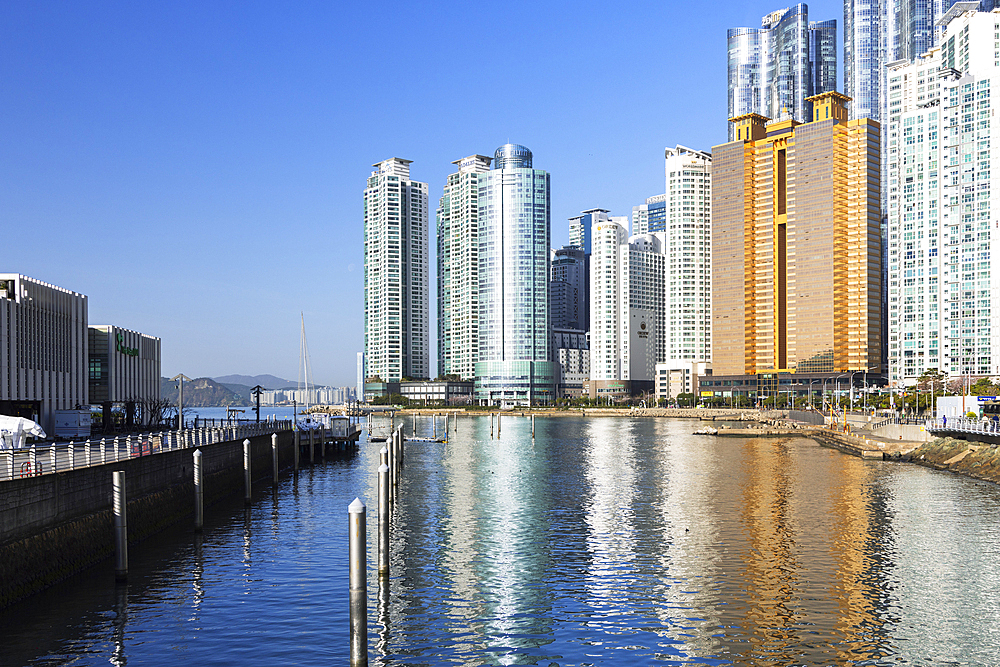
(61, 457)
(964, 425)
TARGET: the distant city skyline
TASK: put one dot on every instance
(197, 171)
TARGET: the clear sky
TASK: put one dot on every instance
(197, 168)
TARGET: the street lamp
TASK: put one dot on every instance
(180, 377)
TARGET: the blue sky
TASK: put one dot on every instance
(197, 168)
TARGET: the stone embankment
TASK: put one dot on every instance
(972, 459)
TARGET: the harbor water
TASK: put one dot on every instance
(602, 541)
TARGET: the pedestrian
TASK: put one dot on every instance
(944, 421)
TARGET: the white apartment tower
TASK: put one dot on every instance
(627, 303)
(942, 213)
(688, 248)
(458, 268)
(397, 315)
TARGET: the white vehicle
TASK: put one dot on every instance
(13, 431)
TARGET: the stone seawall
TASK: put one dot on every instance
(52, 526)
(972, 459)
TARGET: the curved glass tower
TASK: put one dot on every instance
(775, 68)
(515, 366)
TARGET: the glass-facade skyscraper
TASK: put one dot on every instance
(882, 32)
(774, 69)
(514, 366)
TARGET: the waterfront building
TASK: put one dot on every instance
(674, 379)
(458, 269)
(796, 248)
(515, 364)
(124, 370)
(941, 210)
(310, 396)
(571, 349)
(397, 315)
(568, 302)
(775, 69)
(43, 349)
(651, 216)
(627, 309)
(688, 249)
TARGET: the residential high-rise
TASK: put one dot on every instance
(627, 309)
(651, 216)
(774, 69)
(397, 315)
(515, 364)
(796, 250)
(458, 269)
(688, 248)
(568, 302)
(878, 33)
(580, 227)
(942, 136)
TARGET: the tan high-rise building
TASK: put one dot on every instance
(796, 247)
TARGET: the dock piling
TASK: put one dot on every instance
(296, 453)
(121, 524)
(274, 456)
(246, 471)
(199, 491)
(383, 520)
(359, 585)
(532, 427)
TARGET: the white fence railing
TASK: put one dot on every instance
(965, 425)
(48, 459)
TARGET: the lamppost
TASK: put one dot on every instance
(180, 377)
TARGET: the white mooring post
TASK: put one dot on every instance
(274, 455)
(359, 585)
(121, 524)
(246, 471)
(383, 520)
(199, 491)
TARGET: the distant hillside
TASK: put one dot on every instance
(202, 393)
(266, 381)
(241, 390)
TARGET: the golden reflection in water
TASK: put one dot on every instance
(769, 558)
(857, 550)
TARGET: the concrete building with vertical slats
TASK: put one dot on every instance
(124, 370)
(43, 349)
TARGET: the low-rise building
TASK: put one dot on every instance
(124, 370)
(43, 349)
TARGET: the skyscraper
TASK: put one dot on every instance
(941, 218)
(796, 249)
(397, 315)
(651, 216)
(878, 33)
(775, 68)
(568, 302)
(688, 249)
(458, 269)
(580, 227)
(627, 309)
(514, 366)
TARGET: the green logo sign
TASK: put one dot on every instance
(120, 346)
